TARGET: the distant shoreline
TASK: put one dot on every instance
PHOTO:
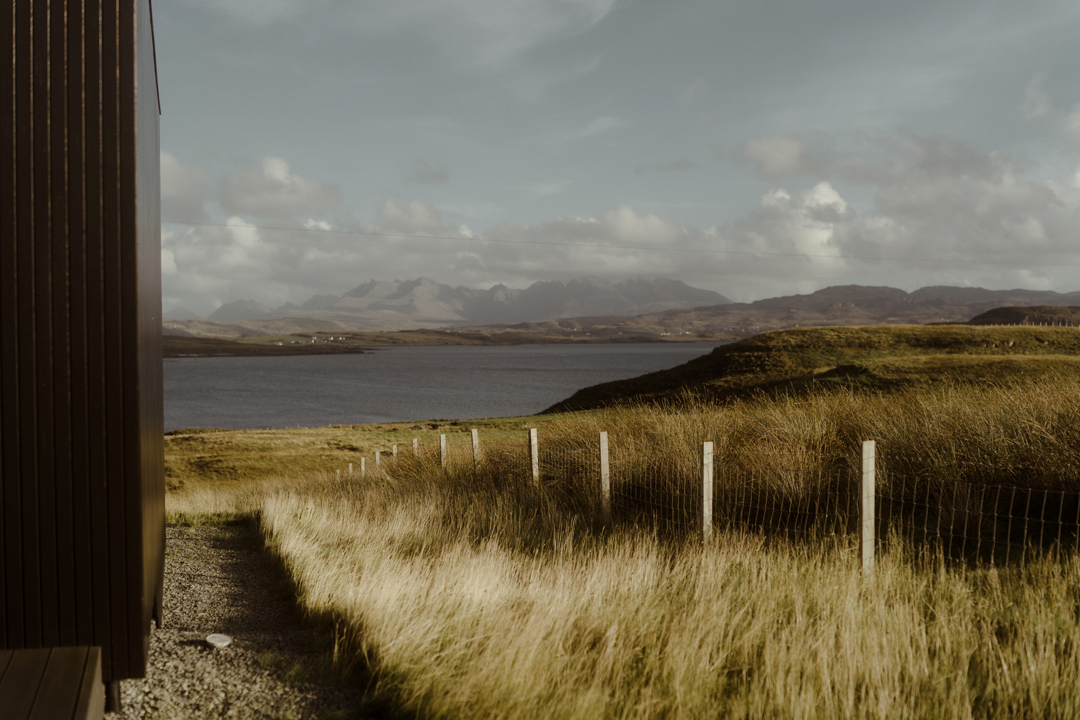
(349, 343)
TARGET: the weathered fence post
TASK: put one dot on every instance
(339, 473)
(395, 453)
(706, 491)
(443, 458)
(605, 481)
(350, 468)
(867, 507)
(475, 448)
(378, 457)
(416, 447)
(363, 467)
(534, 456)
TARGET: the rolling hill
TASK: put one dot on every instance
(874, 357)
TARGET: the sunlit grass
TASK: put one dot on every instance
(455, 616)
(469, 593)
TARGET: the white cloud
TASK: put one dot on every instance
(183, 189)
(793, 240)
(941, 212)
(273, 191)
(168, 262)
(937, 197)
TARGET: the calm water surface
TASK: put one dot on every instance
(399, 384)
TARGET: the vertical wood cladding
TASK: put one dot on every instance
(82, 496)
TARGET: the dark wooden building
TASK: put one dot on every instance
(82, 498)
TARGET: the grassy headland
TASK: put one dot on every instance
(881, 357)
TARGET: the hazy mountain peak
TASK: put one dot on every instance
(422, 302)
(238, 310)
(180, 313)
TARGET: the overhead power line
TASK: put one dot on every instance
(607, 246)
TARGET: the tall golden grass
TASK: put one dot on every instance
(470, 593)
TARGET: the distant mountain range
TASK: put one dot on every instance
(594, 308)
(842, 305)
(424, 303)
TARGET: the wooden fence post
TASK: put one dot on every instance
(867, 507)
(534, 456)
(416, 447)
(378, 457)
(363, 467)
(706, 491)
(350, 468)
(395, 453)
(475, 448)
(605, 481)
(443, 458)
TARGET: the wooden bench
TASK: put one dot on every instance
(51, 683)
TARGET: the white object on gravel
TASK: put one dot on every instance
(218, 641)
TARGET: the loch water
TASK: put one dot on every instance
(399, 384)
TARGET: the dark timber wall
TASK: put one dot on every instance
(82, 497)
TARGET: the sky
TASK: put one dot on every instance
(752, 147)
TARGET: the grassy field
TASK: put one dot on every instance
(220, 459)
(469, 593)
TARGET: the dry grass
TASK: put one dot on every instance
(217, 458)
(461, 614)
(471, 594)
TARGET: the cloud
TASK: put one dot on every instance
(942, 212)
(416, 218)
(273, 191)
(207, 266)
(1038, 107)
(183, 189)
(425, 174)
(679, 165)
(779, 156)
(938, 212)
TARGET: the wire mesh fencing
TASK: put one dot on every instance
(786, 493)
(964, 510)
(978, 512)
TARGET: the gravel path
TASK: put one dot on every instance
(218, 579)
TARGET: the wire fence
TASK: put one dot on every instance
(977, 517)
(967, 511)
